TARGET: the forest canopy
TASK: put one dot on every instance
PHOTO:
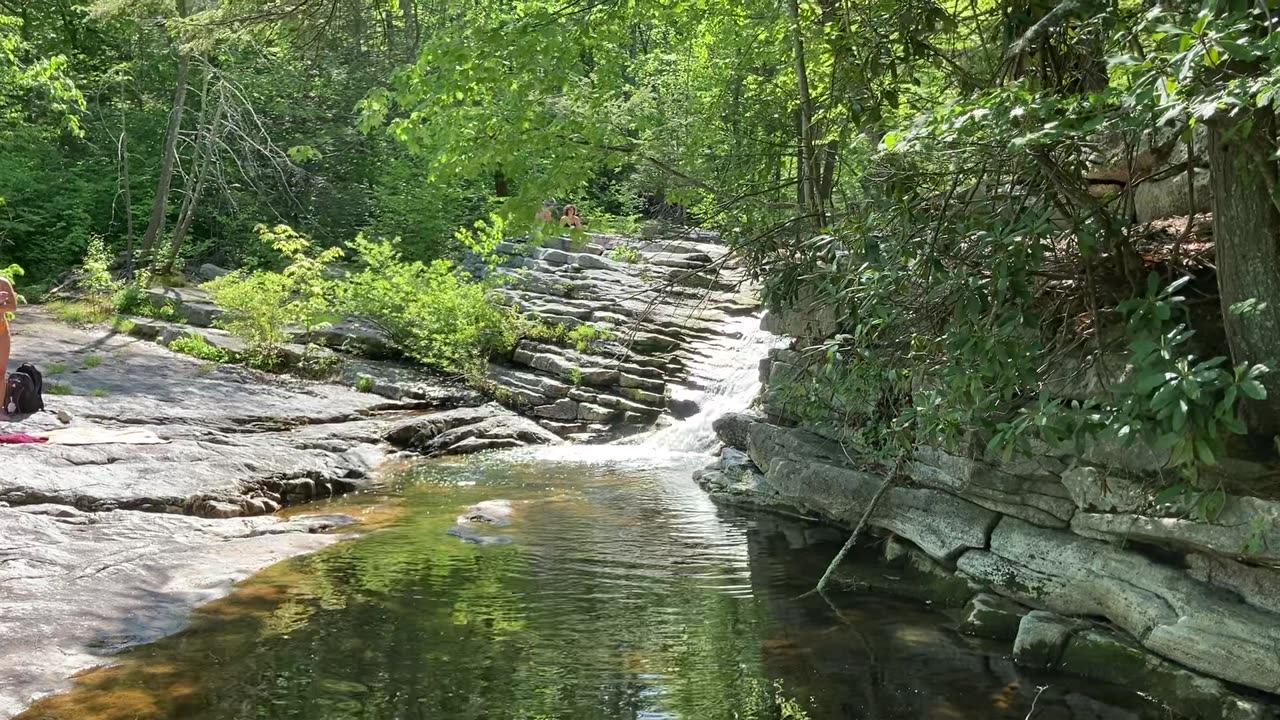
(956, 192)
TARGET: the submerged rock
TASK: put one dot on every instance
(491, 512)
(469, 535)
(991, 616)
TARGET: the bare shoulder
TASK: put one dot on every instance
(5, 285)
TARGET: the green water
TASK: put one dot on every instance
(622, 593)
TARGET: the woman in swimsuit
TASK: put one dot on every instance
(571, 218)
(8, 304)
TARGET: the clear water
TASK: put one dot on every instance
(622, 593)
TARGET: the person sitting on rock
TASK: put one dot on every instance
(547, 213)
(571, 219)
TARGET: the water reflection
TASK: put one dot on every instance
(624, 594)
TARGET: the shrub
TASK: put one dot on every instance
(364, 384)
(95, 270)
(123, 325)
(92, 362)
(586, 336)
(430, 311)
(197, 347)
(261, 307)
(626, 254)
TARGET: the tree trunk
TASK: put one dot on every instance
(128, 198)
(809, 175)
(158, 208)
(1246, 229)
(199, 168)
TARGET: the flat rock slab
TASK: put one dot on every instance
(231, 430)
(79, 587)
(77, 581)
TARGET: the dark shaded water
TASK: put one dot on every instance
(624, 593)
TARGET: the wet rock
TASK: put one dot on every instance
(735, 463)
(991, 616)
(305, 524)
(1097, 654)
(470, 535)
(1170, 613)
(67, 585)
(1041, 638)
(466, 430)
(733, 428)
(682, 408)
(908, 572)
(489, 512)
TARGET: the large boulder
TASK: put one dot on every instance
(1170, 613)
(734, 428)
(469, 429)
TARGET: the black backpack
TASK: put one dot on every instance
(24, 391)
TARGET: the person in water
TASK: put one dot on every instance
(571, 219)
(8, 304)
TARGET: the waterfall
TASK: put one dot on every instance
(729, 370)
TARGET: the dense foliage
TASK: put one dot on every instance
(924, 176)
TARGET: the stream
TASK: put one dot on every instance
(612, 589)
(617, 590)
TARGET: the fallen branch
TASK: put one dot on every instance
(821, 587)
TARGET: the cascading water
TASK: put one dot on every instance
(728, 369)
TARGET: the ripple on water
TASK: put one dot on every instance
(624, 594)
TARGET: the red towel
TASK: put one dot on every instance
(21, 439)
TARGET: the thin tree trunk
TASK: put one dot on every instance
(809, 176)
(155, 226)
(1246, 230)
(128, 197)
(186, 215)
(821, 587)
(158, 208)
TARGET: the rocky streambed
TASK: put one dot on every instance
(105, 546)
(109, 545)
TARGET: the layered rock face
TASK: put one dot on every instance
(658, 308)
(1184, 604)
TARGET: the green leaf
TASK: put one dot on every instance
(1204, 452)
(1171, 494)
(1153, 380)
(1253, 389)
